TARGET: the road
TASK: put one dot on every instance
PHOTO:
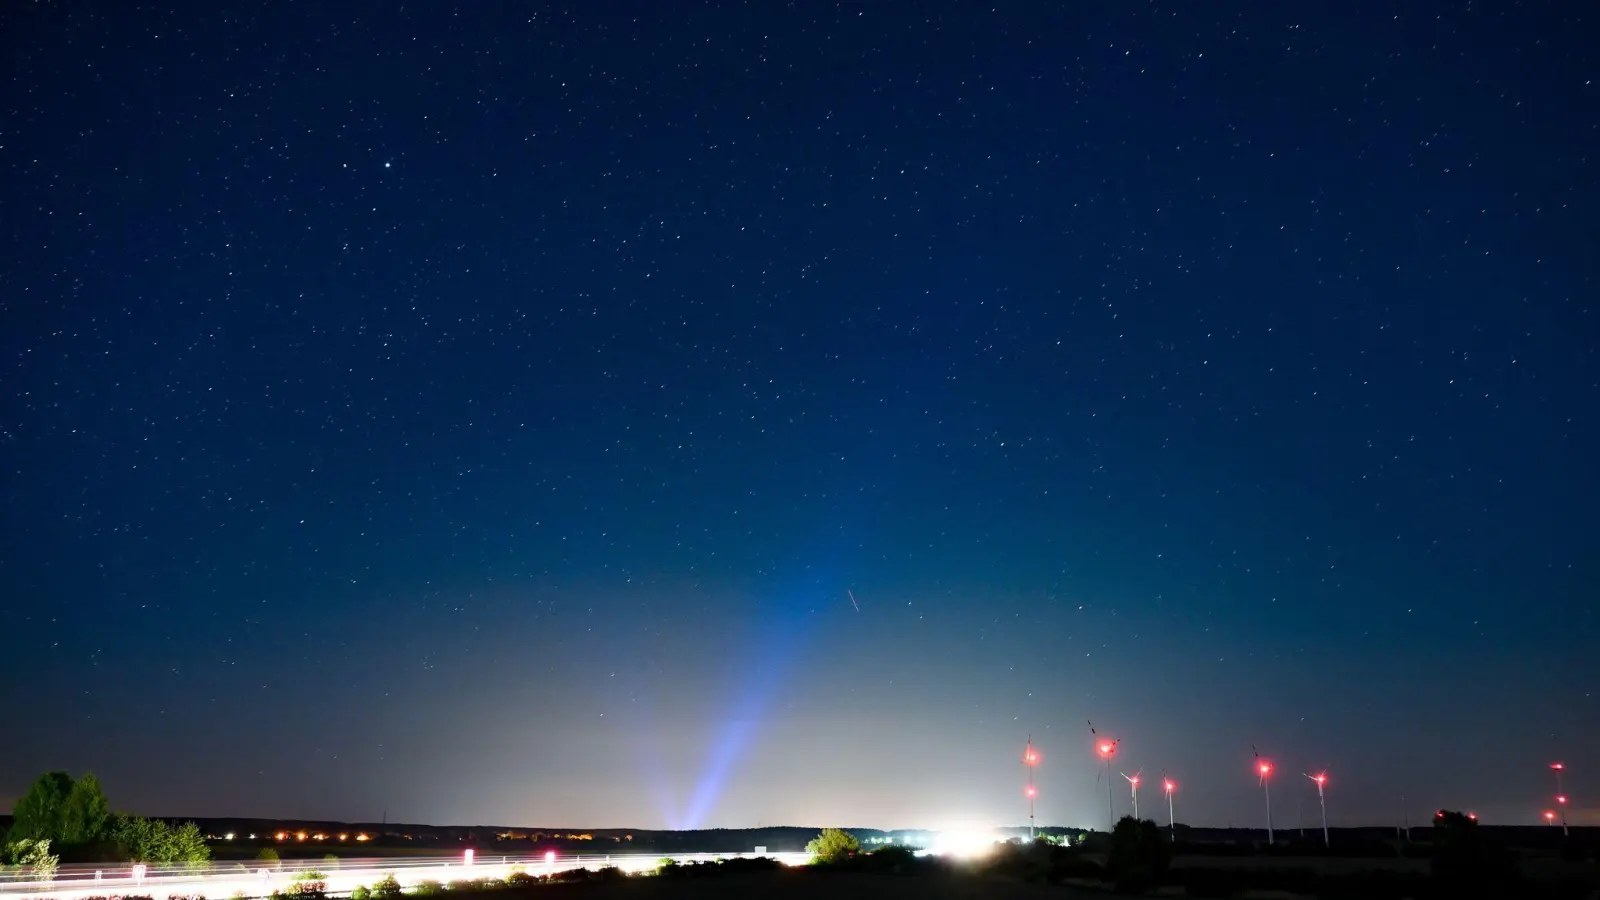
(221, 881)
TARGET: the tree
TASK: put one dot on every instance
(38, 815)
(1139, 854)
(833, 845)
(154, 841)
(86, 814)
(1467, 863)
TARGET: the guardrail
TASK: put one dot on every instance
(259, 878)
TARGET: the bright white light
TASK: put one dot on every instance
(550, 857)
(964, 844)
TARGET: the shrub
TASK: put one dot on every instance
(360, 892)
(385, 888)
(308, 889)
(519, 878)
(427, 888)
(267, 854)
(833, 845)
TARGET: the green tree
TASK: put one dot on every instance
(39, 814)
(833, 845)
(154, 841)
(86, 815)
(267, 854)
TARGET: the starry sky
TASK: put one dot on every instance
(723, 414)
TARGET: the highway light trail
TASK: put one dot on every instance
(259, 879)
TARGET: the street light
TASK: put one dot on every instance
(1264, 769)
(1172, 821)
(1321, 778)
(1133, 787)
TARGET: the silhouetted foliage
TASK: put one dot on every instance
(386, 888)
(672, 869)
(1139, 854)
(833, 845)
(267, 854)
(1466, 863)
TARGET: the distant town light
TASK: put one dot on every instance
(363, 837)
(228, 836)
(282, 836)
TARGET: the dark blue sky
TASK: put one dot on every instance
(481, 413)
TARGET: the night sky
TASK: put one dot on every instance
(486, 413)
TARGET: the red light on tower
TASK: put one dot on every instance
(1134, 780)
(1320, 779)
(1169, 785)
(1472, 816)
(1561, 799)
(1265, 768)
(1032, 792)
(1107, 749)
(1549, 817)
(1557, 766)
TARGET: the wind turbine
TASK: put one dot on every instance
(1264, 768)
(1321, 778)
(1133, 786)
(1107, 748)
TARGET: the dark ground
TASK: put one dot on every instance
(796, 885)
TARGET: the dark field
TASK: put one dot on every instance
(784, 885)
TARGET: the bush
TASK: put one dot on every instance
(34, 858)
(385, 888)
(267, 854)
(519, 878)
(833, 845)
(427, 888)
(1139, 855)
(308, 889)
(360, 892)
